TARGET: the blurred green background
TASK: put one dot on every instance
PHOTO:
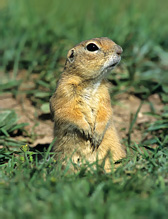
(36, 35)
(34, 32)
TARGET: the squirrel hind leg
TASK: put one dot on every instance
(111, 142)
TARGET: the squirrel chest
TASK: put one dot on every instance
(81, 106)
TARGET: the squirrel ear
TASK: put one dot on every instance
(71, 55)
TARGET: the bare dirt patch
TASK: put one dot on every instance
(40, 125)
(40, 130)
(127, 106)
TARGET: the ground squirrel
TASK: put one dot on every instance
(81, 106)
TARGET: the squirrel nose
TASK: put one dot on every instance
(118, 49)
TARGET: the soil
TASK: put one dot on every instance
(41, 127)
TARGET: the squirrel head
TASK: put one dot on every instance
(93, 58)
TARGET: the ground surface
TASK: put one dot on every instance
(42, 125)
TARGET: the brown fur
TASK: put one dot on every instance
(81, 105)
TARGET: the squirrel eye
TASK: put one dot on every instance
(92, 47)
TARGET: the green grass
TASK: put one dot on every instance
(42, 190)
(35, 37)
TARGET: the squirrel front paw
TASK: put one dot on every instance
(96, 140)
(84, 130)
